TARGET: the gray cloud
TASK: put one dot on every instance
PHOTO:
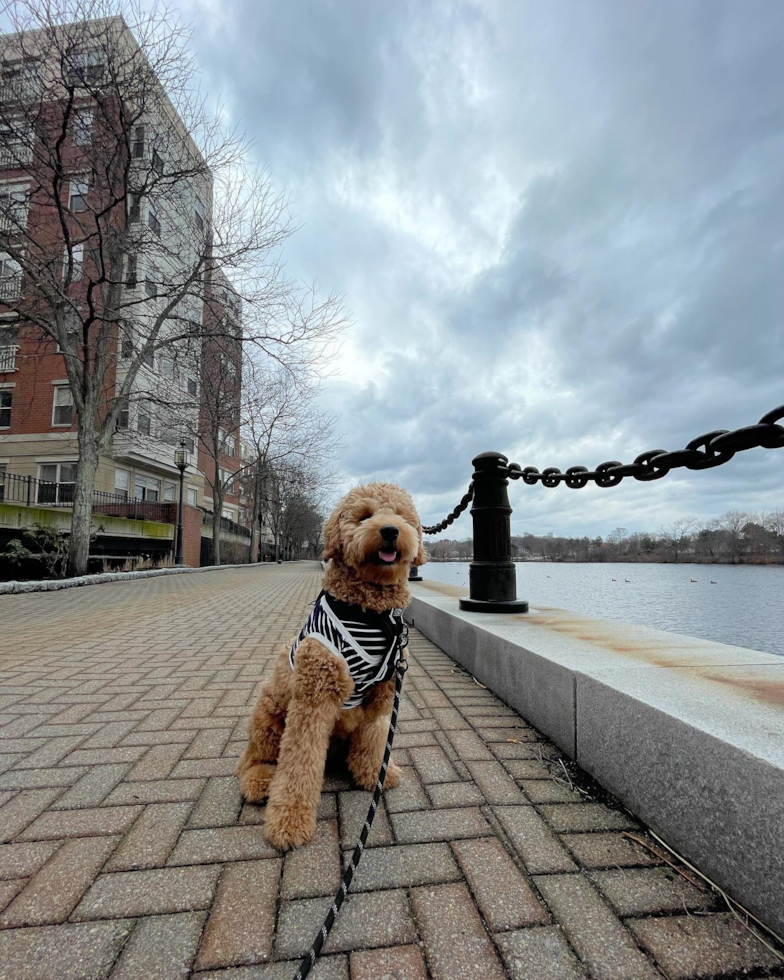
(559, 227)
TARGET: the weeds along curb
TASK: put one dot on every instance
(54, 585)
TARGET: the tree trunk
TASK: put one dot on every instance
(255, 522)
(277, 544)
(217, 507)
(81, 519)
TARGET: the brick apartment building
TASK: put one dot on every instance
(136, 481)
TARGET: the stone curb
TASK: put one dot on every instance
(54, 585)
(687, 733)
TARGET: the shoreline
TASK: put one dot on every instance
(615, 561)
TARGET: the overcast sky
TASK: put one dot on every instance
(559, 228)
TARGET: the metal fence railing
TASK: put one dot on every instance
(30, 491)
(226, 524)
(8, 351)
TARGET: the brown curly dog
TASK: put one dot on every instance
(337, 677)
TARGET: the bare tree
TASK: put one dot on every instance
(774, 524)
(732, 524)
(131, 202)
(678, 532)
(285, 435)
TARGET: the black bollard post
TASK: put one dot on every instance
(492, 573)
(413, 574)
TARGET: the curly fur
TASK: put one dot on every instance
(300, 710)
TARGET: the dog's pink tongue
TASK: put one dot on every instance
(387, 555)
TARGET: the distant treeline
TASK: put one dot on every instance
(735, 537)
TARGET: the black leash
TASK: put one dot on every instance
(309, 960)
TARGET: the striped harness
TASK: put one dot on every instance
(371, 643)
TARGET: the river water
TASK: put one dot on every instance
(745, 607)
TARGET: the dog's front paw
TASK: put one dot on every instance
(286, 827)
(394, 773)
(255, 781)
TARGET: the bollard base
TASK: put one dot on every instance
(487, 605)
(415, 578)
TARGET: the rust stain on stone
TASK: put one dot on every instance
(759, 688)
(443, 588)
(605, 635)
(612, 637)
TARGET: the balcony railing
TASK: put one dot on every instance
(15, 155)
(226, 524)
(8, 358)
(29, 491)
(10, 286)
(16, 89)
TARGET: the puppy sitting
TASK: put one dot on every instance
(337, 678)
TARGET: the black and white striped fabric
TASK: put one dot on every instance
(371, 643)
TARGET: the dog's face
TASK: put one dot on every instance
(376, 531)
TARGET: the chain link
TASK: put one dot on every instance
(466, 499)
(710, 449)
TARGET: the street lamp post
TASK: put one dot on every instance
(181, 459)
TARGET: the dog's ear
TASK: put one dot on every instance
(421, 558)
(332, 535)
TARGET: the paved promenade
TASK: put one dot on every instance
(126, 851)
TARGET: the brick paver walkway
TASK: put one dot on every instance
(126, 851)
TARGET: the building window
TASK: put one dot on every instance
(77, 269)
(77, 200)
(193, 386)
(143, 422)
(62, 411)
(168, 491)
(138, 142)
(13, 207)
(15, 142)
(126, 338)
(6, 401)
(122, 483)
(228, 367)
(82, 127)
(156, 163)
(8, 349)
(197, 217)
(130, 272)
(85, 67)
(153, 222)
(57, 483)
(192, 496)
(166, 366)
(228, 443)
(10, 277)
(134, 208)
(188, 444)
(20, 83)
(123, 419)
(146, 488)
(151, 283)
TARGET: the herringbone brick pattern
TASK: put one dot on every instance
(126, 850)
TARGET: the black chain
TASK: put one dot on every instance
(710, 449)
(309, 959)
(466, 499)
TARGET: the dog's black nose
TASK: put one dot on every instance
(389, 532)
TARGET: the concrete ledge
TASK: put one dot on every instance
(54, 585)
(689, 734)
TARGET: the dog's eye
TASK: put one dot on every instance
(366, 516)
